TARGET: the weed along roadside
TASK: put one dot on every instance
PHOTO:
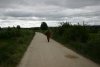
(85, 40)
(13, 44)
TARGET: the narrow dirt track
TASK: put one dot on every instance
(40, 53)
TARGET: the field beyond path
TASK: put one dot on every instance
(40, 53)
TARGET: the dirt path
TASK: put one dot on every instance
(40, 53)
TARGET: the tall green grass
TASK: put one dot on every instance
(13, 44)
(83, 39)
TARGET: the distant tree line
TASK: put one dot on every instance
(10, 32)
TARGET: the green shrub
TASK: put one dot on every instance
(93, 46)
(18, 27)
(9, 33)
(83, 39)
(72, 33)
(12, 49)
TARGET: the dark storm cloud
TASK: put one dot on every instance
(64, 3)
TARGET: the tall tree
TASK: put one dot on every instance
(44, 26)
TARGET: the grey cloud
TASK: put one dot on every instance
(63, 3)
(74, 3)
(50, 10)
(18, 14)
(91, 14)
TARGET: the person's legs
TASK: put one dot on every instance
(48, 39)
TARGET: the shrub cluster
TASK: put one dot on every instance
(69, 33)
(6, 33)
(13, 44)
(84, 39)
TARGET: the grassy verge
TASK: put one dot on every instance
(84, 40)
(84, 49)
(13, 47)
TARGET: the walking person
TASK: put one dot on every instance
(48, 34)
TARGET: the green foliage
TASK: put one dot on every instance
(44, 26)
(93, 46)
(83, 39)
(9, 33)
(0, 28)
(13, 48)
(72, 33)
(18, 27)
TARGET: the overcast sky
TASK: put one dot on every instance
(30, 13)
